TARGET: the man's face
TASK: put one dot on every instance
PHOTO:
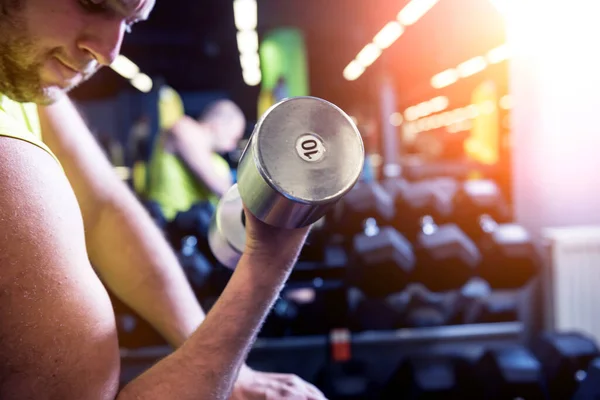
(47, 47)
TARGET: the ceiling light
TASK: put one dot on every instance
(142, 82)
(388, 35)
(353, 71)
(414, 10)
(445, 78)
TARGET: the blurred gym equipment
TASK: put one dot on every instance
(196, 266)
(510, 258)
(565, 358)
(589, 389)
(366, 200)
(446, 257)
(429, 377)
(414, 200)
(376, 314)
(497, 307)
(509, 373)
(192, 222)
(382, 262)
(475, 198)
(345, 381)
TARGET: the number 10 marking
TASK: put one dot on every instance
(310, 148)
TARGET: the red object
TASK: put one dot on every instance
(340, 345)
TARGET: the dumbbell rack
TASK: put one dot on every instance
(381, 351)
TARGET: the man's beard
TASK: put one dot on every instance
(21, 62)
(18, 81)
(19, 76)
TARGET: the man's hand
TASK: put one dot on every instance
(270, 242)
(255, 385)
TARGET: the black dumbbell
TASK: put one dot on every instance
(589, 389)
(478, 197)
(565, 358)
(376, 314)
(413, 200)
(133, 331)
(365, 200)
(446, 257)
(280, 319)
(193, 222)
(316, 243)
(345, 381)
(497, 307)
(510, 257)
(509, 373)
(430, 377)
(426, 309)
(382, 260)
(156, 213)
(460, 302)
(195, 265)
(321, 307)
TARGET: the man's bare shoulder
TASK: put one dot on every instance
(57, 337)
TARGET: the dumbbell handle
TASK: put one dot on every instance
(487, 223)
(428, 225)
(370, 227)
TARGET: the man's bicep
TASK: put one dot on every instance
(57, 337)
(86, 166)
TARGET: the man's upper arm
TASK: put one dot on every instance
(57, 336)
(88, 170)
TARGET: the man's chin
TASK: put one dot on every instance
(50, 95)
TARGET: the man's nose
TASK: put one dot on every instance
(103, 40)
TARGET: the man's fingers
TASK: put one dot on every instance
(306, 388)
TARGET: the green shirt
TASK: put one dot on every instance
(21, 121)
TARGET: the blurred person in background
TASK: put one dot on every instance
(186, 166)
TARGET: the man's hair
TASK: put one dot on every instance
(222, 108)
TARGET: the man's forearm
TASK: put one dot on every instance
(137, 264)
(206, 366)
(202, 167)
(192, 144)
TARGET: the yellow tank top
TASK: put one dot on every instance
(170, 183)
(21, 121)
(173, 186)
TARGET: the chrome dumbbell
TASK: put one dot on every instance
(304, 155)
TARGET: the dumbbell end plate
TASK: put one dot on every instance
(227, 233)
(309, 150)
